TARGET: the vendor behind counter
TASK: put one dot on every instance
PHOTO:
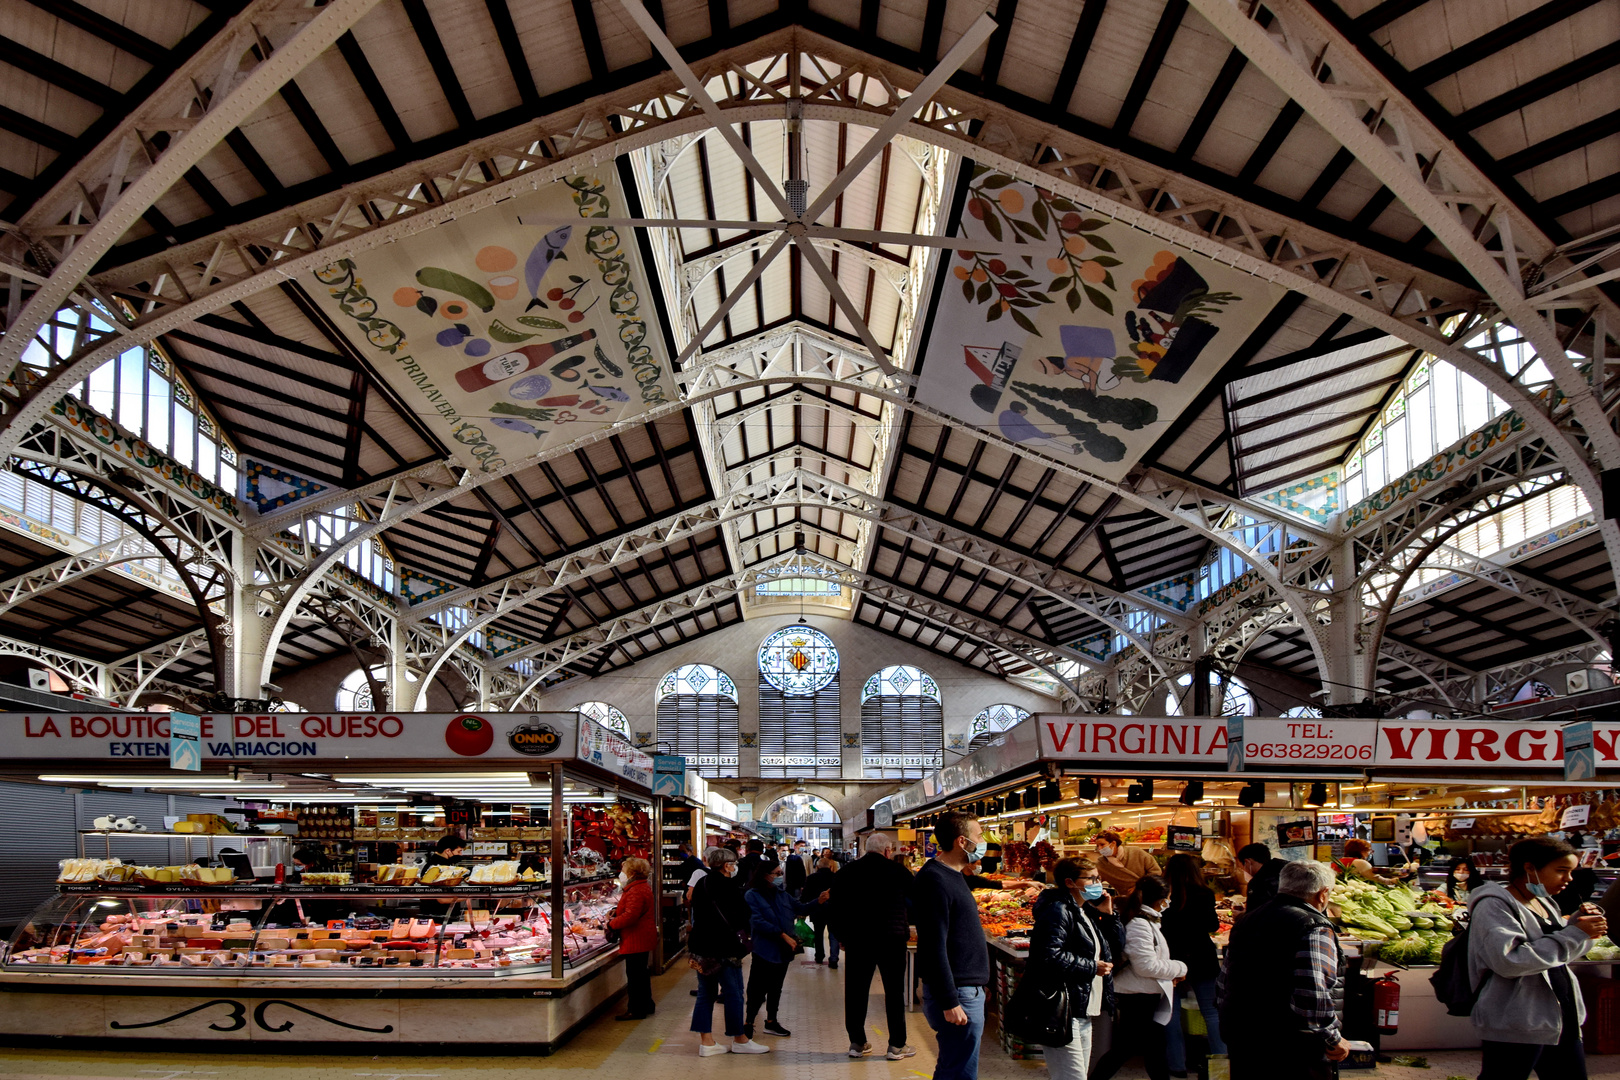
(1121, 866)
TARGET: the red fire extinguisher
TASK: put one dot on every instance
(1387, 1004)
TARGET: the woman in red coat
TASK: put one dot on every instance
(633, 918)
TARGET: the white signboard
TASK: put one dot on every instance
(1307, 742)
(1474, 743)
(600, 747)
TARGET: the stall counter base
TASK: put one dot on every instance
(524, 1011)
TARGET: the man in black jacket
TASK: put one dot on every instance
(952, 957)
(871, 921)
(796, 869)
(1262, 870)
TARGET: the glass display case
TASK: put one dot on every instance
(173, 929)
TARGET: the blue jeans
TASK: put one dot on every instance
(958, 1043)
(730, 980)
(1175, 1044)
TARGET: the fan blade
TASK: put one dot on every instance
(829, 279)
(949, 243)
(737, 293)
(965, 47)
(654, 223)
(689, 79)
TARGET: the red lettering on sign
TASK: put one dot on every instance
(1481, 739)
(1437, 744)
(47, 729)
(1099, 732)
(1398, 749)
(1518, 752)
(390, 727)
(1178, 736)
(1126, 730)
(1218, 744)
(1059, 743)
(1603, 744)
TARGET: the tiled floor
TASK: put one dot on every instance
(659, 1048)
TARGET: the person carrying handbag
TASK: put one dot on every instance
(717, 944)
(1071, 950)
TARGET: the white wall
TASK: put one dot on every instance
(862, 651)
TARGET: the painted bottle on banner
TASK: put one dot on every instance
(509, 365)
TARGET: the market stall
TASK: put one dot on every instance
(506, 945)
(1421, 792)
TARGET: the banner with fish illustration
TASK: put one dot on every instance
(1089, 346)
(514, 328)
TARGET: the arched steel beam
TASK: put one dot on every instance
(235, 97)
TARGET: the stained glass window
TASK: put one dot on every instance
(606, 715)
(902, 724)
(697, 718)
(799, 726)
(798, 660)
(991, 722)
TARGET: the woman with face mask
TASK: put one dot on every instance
(1143, 988)
(633, 919)
(1074, 942)
(1529, 1013)
(1463, 879)
(717, 944)
(1121, 866)
(1189, 922)
(772, 913)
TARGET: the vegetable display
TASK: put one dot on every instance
(1410, 929)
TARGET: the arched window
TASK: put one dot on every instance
(799, 730)
(902, 724)
(991, 722)
(354, 692)
(697, 718)
(606, 715)
(1227, 696)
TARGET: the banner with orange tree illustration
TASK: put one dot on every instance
(1087, 347)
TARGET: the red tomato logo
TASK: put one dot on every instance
(469, 736)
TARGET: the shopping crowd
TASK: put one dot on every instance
(1114, 935)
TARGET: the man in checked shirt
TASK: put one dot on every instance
(1283, 967)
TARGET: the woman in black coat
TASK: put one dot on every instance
(1187, 925)
(717, 944)
(1075, 938)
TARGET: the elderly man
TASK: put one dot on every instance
(870, 919)
(1276, 990)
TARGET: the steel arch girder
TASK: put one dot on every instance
(559, 654)
(236, 99)
(25, 587)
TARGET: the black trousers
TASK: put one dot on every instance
(1515, 1061)
(638, 999)
(765, 988)
(860, 962)
(1136, 1033)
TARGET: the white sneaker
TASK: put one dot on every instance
(749, 1047)
(859, 1051)
(711, 1049)
(896, 1053)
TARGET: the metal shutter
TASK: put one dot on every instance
(701, 728)
(39, 827)
(799, 736)
(902, 737)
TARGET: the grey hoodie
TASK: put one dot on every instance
(1505, 941)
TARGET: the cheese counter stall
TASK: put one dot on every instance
(504, 946)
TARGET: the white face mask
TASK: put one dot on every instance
(1107, 851)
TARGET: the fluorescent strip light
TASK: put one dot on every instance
(139, 781)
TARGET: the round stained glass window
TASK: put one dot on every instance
(798, 660)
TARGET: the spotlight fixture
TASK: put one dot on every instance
(1252, 793)
(1051, 793)
(1147, 788)
(1032, 797)
(1014, 801)
(1136, 794)
(1318, 794)
(1087, 788)
(1191, 792)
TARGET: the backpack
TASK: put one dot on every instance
(1452, 987)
